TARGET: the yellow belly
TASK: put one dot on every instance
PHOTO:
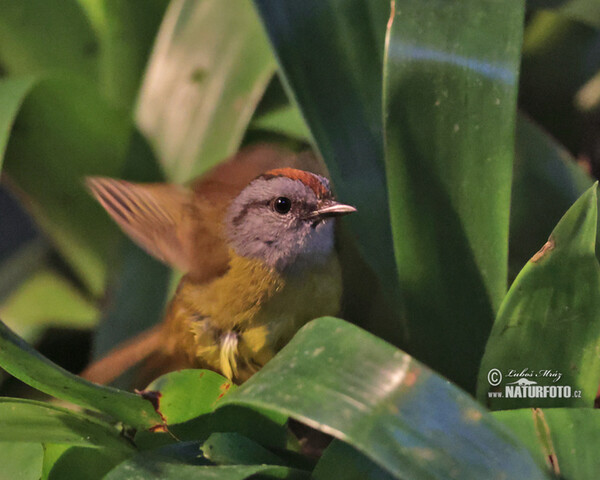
(236, 323)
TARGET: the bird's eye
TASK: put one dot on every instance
(282, 205)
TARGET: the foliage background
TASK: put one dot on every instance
(413, 107)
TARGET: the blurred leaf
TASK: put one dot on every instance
(568, 434)
(449, 100)
(23, 362)
(585, 11)
(37, 37)
(235, 449)
(340, 457)
(187, 394)
(12, 94)
(31, 421)
(196, 102)
(559, 56)
(80, 463)
(21, 264)
(64, 132)
(546, 182)
(350, 384)
(21, 461)
(46, 299)
(126, 30)
(286, 120)
(558, 291)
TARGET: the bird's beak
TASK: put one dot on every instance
(330, 208)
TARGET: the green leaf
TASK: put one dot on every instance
(31, 421)
(330, 55)
(187, 394)
(125, 31)
(64, 132)
(21, 461)
(552, 45)
(208, 70)
(23, 362)
(546, 182)
(80, 463)
(569, 435)
(558, 291)
(449, 102)
(585, 11)
(38, 37)
(340, 457)
(12, 93)
(235, 449)
(47, 299)
(348, 383)
(182, 462)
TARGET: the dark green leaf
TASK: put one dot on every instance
(340, 460)
(569, 435)
(21, 461)
(235, 449)
(31, 421)
(12, 93)
(209, 68)
(22, 361)
(558, 291)
(449, 101)
(79, 463)
(546, 182)
(338, 91)
(345, 382)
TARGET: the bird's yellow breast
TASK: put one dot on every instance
(236, 323)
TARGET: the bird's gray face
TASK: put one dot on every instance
(283, 221)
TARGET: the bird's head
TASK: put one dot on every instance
(285, 218)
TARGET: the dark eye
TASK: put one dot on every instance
(282, 205)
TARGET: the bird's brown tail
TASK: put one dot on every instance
(125, 356)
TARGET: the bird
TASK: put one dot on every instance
(255, 240)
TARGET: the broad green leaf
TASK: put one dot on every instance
(80, 463)
(449, 102)
(208, 70)
(187, 394)
(235, 449)
(37, 36)
(20, 460)
(12, 93)
(547, 333)
(546, 182)
(23, 262)
(559, 56)
(125, 31)
(47, 299)
(341, 459)
(64, 132)
(31, 421)
(330, 54)
(285, 120)
(568, 435)
(585, 11)
(348, 383)
(22, 361)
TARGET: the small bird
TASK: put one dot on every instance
(257, 246)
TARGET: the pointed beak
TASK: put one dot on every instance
(330, 208)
